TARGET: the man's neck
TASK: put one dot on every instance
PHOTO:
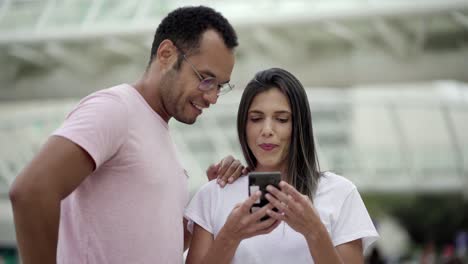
(153, 97)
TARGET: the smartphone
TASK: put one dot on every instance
(258, 181)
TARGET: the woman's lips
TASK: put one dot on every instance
(268, 147)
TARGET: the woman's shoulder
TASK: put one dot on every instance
(237, 186)
(213, 186)
(331, 182)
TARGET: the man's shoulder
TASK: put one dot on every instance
(117, 93)
(113, 100)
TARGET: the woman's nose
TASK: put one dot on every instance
(267, 128)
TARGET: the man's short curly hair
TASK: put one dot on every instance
(185, 26)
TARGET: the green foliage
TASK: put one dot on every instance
(426, 217)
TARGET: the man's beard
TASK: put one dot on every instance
(171, 92)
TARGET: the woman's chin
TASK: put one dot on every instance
(269, 165)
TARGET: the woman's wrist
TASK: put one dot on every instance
(321, 246)
(227, 238)
(316, 233)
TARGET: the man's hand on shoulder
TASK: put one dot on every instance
(226, 171)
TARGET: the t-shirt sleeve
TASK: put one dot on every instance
(202, 208)
(98, 124)
(354, 222)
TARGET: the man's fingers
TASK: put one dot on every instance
(230, 169)
(233, 172)
(212, 172)
(236, 174)
(224, 164)
(246, 170)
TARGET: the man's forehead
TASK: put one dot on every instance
(214, 57)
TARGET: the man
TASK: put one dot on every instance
(110, 175)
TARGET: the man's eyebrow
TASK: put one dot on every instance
(208, 72)
(211, 74)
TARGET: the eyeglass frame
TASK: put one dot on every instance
(224, 88)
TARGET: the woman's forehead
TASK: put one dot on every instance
(272, 99)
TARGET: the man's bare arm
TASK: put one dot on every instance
(57, 170)
(187, 235)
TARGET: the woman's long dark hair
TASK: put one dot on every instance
(303, 167)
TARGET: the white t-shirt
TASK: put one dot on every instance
(337, 201)
(130, 209)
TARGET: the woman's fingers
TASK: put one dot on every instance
(247, 204)
(283, 207)
(286, 201)
(291, 191)
(271, 225)
(263, 227)
(276, 215)
(257, 215)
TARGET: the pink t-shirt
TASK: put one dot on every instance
(130, 209)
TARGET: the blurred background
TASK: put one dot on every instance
(387, 82)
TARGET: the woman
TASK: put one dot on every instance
(321, 217)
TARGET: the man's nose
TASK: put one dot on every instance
(211, 96)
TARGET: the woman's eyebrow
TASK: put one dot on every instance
(276, 112)
(282, 112)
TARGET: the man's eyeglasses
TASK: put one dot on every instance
(209, 83)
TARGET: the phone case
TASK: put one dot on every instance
(258, 181)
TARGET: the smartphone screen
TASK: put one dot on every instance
(258, 181)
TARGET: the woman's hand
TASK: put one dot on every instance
(242, 224)
(295, 209)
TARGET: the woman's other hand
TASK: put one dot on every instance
(242, 224)
(295, 209)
